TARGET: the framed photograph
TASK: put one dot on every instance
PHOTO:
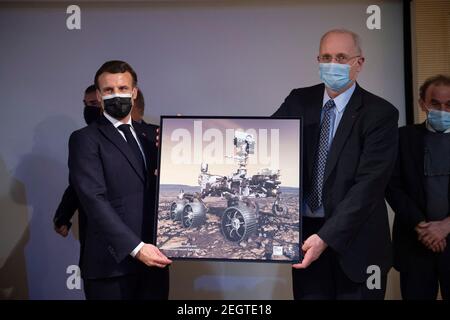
(229, 188)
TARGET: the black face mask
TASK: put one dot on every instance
(117, 105)
(91, 113)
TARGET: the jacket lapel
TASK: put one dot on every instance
(343, 130)
(311, 129)
(144, 140)
(111, 133)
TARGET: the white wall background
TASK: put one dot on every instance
(192, 57)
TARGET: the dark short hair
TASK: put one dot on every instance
(90, 89)
(139, 102)
(115, 66)
(440, 79)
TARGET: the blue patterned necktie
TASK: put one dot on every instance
(314, 197)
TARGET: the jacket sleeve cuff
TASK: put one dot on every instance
(326, 236)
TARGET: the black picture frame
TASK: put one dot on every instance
(258, 218)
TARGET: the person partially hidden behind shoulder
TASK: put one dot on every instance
(111, 168)
(350, 145)
(419, 194)
(69, 202)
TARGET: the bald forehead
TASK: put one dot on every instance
(340, 42)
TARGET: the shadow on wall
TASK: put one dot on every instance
(14, 236)
(43, 173)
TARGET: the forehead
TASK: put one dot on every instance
(107, 79)
(438, 92)
(90, 96)
(335, 43)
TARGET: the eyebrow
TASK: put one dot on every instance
(435, 100)
(337, 54)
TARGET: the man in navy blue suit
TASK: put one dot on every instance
(112, 164)
(92, 111)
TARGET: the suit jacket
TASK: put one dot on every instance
(66, 208)
(359, 163)
(69, 201)
(116, 195)
(151, 130)
(65, 211)
(407, 196)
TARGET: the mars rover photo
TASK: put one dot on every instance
(229, 189)
(239, 219)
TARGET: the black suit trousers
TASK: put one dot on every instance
(148, 283)
(431, 271)
(324, 279)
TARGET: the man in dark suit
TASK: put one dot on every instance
(92, 111)
(350, 144)
(112, 165)
(419, 193)
(69, 203)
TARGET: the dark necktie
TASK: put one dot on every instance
(125, 128)
(314, 197)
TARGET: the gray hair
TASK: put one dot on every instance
(356, 38)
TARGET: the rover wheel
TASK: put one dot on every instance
(176, 209)
(194, 214)
(238, 223)
(279, 209)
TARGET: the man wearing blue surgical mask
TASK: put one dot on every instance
(436, 104)
(350, 145)
(419, 193)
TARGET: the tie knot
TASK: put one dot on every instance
(125, 128)
(329, 105)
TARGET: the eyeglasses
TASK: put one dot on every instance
(437, 105)
(340, 58)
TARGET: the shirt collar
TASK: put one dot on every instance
(342, 99)
(116, 123)
(430, 128)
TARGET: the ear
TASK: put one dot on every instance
(360, 62)
(134, 93)
(99, 97)
(422, 105)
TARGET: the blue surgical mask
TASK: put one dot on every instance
(336, 76)
(439, 120)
